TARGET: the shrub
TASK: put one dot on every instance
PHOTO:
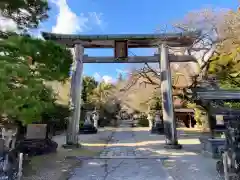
(81, 123)
(57, 117)
(143, 121)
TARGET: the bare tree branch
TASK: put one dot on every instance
(219, 29)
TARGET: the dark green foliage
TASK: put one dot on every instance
(155, 103)
(23, 95)
(89, 84)
(226, 67)
(81, 123)
(24, 66)
(26, 13)
(56, 117)
(51, 61)
(26, 63)
(143, 121)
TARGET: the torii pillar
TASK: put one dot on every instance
(167, 100)
(76, 99)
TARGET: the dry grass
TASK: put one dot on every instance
(55, 166)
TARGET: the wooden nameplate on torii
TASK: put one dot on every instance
(121, 49)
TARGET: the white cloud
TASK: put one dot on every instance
(97, 18)
(105, 78)
(97, 77)
(122, 71)
(69, 22)
(7, 24)
(37, 33)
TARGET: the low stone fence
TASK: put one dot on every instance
(212, 147)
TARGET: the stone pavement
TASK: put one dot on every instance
(185, 164)
(56, 166)
(121, 160)
(135, 154)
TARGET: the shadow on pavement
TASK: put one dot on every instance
(185, 164)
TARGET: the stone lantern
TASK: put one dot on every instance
(158, 126)
(95, 117)
(150, 120)
(87, 120)
(88, 126)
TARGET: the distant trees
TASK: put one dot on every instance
(216, 48)
(217, 52)
(89, 84)
(101, 94)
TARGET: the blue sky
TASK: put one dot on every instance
(120, 16)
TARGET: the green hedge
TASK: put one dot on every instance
(57, 117)
(143, 121)
(81, 123)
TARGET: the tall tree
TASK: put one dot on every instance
(89, 84)
(226, 66)
(25, 64)
(101, 94)
(25, 13)
(50, 60)
(218, 33)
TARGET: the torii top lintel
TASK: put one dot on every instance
(134, 40)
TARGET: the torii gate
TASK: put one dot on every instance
(121, 43)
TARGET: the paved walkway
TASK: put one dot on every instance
(135, 154)
(121, 160)
(56, 166)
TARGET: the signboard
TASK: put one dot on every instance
(219, 120)
(36, 131)
(121, 49)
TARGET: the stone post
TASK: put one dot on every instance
(167, 101)
(76, 99)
